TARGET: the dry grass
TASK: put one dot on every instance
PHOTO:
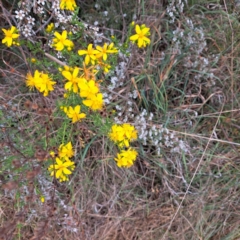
(192, 195)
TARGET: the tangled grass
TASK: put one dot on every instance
(181, 95)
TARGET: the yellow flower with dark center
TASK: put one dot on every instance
(10, 36)
(60, 41)
(126, 158)
(74, 113)
(95, 102)
(68, 5)
(141, 36)
(90, 54)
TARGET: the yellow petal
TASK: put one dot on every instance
(77, 109)
(82, 52)
(137, 28)
(134, 37)
(67, 75)
(66, 171)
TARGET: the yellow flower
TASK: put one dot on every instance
(129, 131)
(73, 79)
(60, 41)
(90, 54)
(30, 80)
(141, 36)
(103, 66)
(62, 168)
(49, 27)
(33, 60)
(95, 102)
(65, 150)
(88, 73)
(42, 199)
(74, 113)
(52, 153)
(68, 4)
(10, 35)
(88, 89)
(40, 81)
(106, 49)
(45, 85)
(126, 158)
(116, 134)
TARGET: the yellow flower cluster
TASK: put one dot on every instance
(41, 81)
(99, 55)
(86, 88)
(68, 5)
(141, 36)
(62, 166)
(122, 135)
(126, 158)
(11, 36)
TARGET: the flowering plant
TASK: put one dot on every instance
(81, 78)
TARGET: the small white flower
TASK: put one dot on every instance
(105, 13)
(27, 31)
(150, 116)
(41, 2)
(150, 133)
(125, 119)
(135, 94)
(31, 21)
(20, 14)
(118, 108)
(59, 54)
(55, 6)
(106, 101)
(40, 10)
(99, 37)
